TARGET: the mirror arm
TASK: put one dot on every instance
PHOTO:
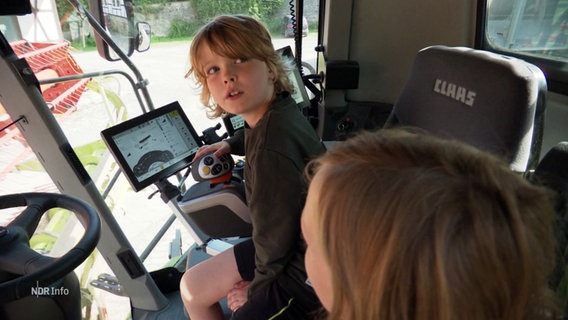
(141, 83)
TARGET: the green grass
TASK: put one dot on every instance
(169, 39)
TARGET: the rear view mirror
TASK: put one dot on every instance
(143, 37)
(117, 18)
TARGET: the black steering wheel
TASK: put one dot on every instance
(22, 268)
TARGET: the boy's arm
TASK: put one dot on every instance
(237, 142)
(277, 203)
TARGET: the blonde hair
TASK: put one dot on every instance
(235, 36)
(416, 227)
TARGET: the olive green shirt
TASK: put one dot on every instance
(277, 149)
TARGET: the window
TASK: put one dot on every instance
(535, 30)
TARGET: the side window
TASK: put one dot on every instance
(536, 30)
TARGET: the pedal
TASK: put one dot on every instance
(109, 283)
(175, 246)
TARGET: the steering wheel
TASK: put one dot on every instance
(22, 268)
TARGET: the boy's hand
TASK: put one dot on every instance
(238, 296)
(219, 148)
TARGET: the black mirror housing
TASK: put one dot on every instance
(143, 36)
(116, 17)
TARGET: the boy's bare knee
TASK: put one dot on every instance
(188, 287)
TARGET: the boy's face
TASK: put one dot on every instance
(240, 86)
(317, 265)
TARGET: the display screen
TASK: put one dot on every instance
(153, 146)
(300, 94)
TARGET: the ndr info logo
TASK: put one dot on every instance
(49, 291)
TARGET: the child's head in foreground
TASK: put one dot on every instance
(407, 226)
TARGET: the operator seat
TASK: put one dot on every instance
(552, 173)
(491, 101)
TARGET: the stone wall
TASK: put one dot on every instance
(160, 16)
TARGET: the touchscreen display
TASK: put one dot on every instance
(154, 145)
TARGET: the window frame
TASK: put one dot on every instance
(556, 71)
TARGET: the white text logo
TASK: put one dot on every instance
(455, 92)
(49, 291)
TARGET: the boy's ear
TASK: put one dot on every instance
(271, 75)
(271, 69)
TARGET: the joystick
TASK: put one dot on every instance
(213, 169)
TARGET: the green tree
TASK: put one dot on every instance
(259, 9)
(65, 9)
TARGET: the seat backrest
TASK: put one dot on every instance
(488, 100)
(552, 172)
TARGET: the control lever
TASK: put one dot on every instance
(213, 169)
(210, 135)
(109, 283)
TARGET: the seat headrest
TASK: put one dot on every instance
(482, 98)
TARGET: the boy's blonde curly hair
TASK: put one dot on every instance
(235, 36)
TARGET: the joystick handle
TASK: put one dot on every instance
(213, 169)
